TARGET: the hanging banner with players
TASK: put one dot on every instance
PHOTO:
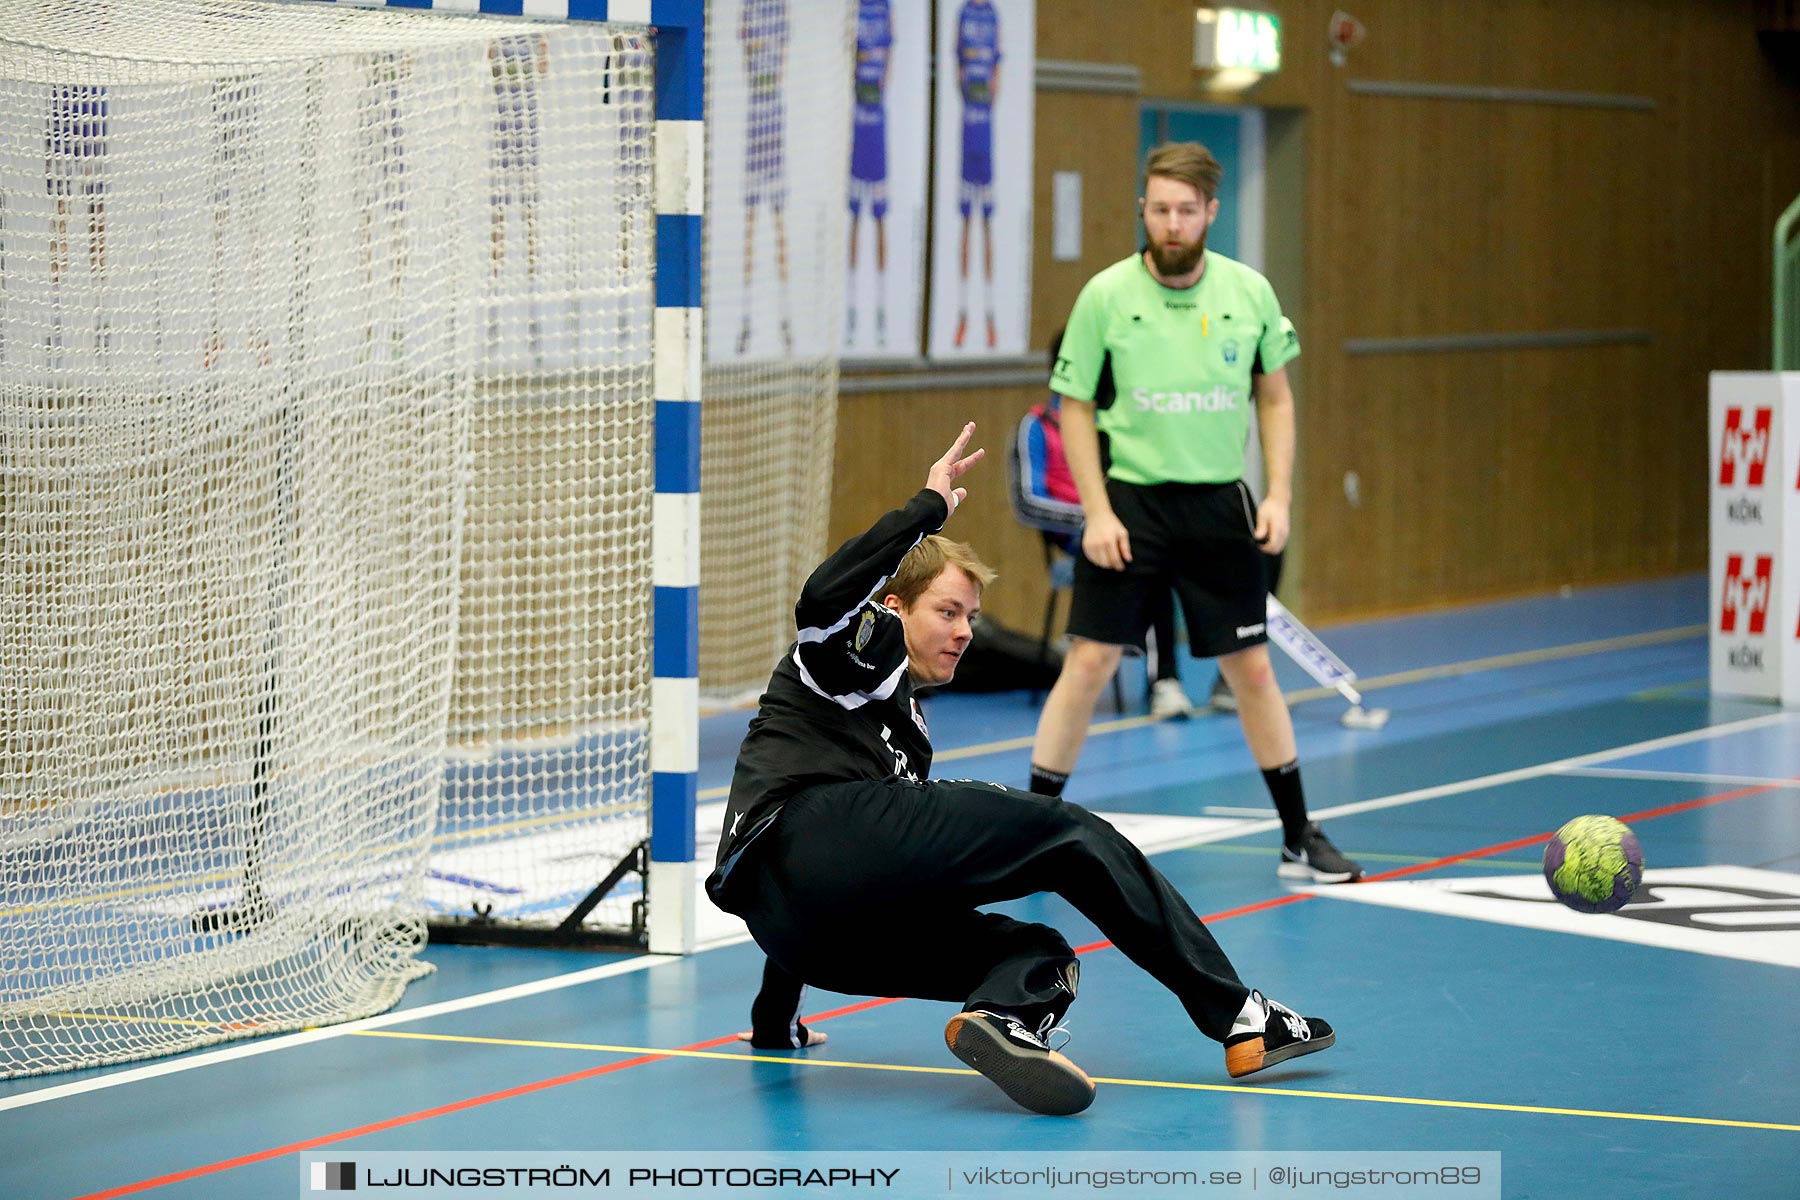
(884, 290)
(778, 89)
(981, 202)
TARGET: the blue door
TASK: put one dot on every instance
(1220, 132)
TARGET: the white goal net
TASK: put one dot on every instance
(548, 784)
(778, 143)
(324, 502)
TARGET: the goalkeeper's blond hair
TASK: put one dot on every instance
(927, 560)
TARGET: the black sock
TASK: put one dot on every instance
(1046, 782)
(1290, 801)
(775, 1013)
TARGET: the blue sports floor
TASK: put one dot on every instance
(1647, 1054)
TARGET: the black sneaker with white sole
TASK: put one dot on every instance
(1285, 1034)
(1317, 860)
(1019, 1062)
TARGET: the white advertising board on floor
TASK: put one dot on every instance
(1754, 430)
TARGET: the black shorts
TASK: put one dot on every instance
(1200, 540)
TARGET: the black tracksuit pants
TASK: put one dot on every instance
(872, 888)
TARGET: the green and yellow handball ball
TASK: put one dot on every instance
(1594, 864)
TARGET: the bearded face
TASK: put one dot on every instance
(1176, 221)
(1175, 258)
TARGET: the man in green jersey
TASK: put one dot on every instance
(1165, 352)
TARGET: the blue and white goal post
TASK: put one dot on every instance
(679, 341)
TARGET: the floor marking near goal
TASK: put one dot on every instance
(283, 1042)
(1719, 909)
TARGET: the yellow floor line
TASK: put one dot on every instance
(1242, 1089)
(161, 888)
(1469, 1104)
(130, 1019)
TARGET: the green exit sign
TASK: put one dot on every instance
(1237, 39)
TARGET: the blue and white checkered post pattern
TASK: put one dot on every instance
(675, 685)
(680, 39)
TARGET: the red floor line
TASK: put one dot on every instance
(1649, 814)
(391, 1123)
(861, 1006)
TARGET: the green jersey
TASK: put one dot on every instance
(1170, 370)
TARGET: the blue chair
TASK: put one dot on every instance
(1058, 522)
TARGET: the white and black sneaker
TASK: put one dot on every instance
(1316, 860)
(1284, 1034)
(1019, 1062)
(1169, 701)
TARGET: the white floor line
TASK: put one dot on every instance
(1687, 777)
(1518, 658)
(1522, 658)
(556, 983)
(1500, 778)
(288, 1041)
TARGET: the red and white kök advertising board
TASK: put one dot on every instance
(1755, 466)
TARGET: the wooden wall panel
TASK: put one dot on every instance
(1487, 472)
(1528, 482)
(1080, 132)
(1471, 217)
(887, 442)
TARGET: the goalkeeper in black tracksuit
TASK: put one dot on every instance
(855, 873)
